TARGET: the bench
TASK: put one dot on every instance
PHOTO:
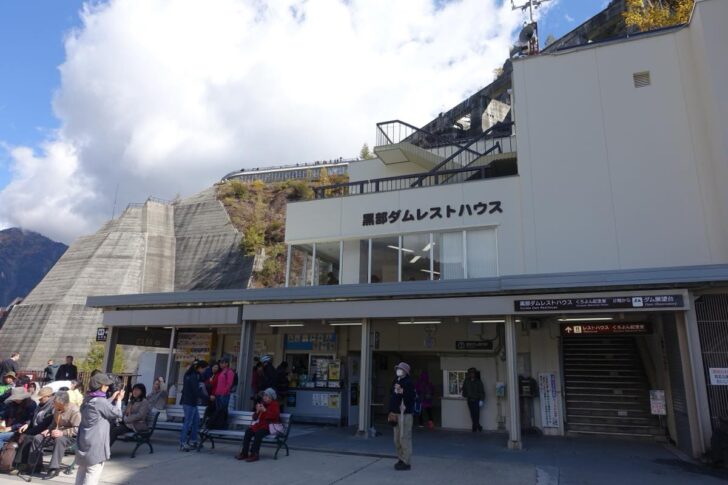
(175, 418)
(238, 422)
(142, 437)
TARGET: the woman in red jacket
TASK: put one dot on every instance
(267, 412)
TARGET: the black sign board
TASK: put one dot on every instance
(150, 337)
(599, 303)
(102, 334)
(473, 345)
(440, 212)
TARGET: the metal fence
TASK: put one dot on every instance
(712, 315)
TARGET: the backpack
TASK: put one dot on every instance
(7, 456)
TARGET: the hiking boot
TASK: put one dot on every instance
(402, 466)
(253, 457)
(241, 456)
(399, 462)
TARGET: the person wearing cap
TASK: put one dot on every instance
(61, 433)
(268, 379)
(401, 406)
(6, 387)
(221, 392)
(267, 412)
(40, 421)
(474, 394)
(97, 414)
(19, 411)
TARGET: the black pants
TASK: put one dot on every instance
(117, 431)
(59, 449)
(427, 411)
(257, 438)
(474, 408)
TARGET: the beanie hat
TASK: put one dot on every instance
(270, 392)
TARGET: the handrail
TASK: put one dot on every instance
(441, 141)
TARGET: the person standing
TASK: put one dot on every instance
(426, 391)
(474, 393)
(49, 373)
(401, 407)
(68, 371)
(193, 391)
(223, 386)
(269, 373)
(10, 365)
(97, 413)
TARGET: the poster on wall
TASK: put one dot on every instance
(657, 402)
(550, 414)
(193, 345)
(718, 376)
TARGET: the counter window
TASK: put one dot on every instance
(454, 382)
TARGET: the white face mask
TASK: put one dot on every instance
(400, 373)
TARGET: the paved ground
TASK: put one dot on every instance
(335, 456)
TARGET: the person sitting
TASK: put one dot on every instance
(267, 412)
(158, 397)
(40, 421)
(135, 414)
(61, 433)
(18, 413)
(6, 387)
(75, 392)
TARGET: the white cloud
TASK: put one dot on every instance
(164, 97)
(569, 18)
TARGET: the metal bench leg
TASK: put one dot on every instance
(286, 445)
(278, 448)
(133, 453)
(151, 449)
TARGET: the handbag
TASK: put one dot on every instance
(7, 456)
(276, 428)
(392, 419)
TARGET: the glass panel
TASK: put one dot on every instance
(482, 255)
(364, 261)
(385, 259)
(448, 255)
(301, 265)
(416, 257)
(327, 263)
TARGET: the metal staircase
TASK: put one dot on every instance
(607, 392)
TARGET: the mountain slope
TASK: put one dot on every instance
(25, 258)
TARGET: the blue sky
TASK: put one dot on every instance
(31, 49)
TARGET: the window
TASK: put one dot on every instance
(448, 256)
(328, 263)
(385, 260)
(300, 271)
(416, 251)
(364, 261)
(453, 382)
(482, 254)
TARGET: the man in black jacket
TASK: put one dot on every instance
(10, 365)
(401, 407)
(68, 371)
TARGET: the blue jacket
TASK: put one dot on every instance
(193, 389)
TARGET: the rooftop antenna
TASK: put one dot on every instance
(527, 43)
(530, 5)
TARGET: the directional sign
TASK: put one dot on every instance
(585, 328)
(600, 303)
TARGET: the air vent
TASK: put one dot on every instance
(641, 79)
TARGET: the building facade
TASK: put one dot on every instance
(575, 253)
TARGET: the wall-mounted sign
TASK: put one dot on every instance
(318, 342)
(718, 376)
(102, 334)
(585, 328)
(550, 414)
(658, 405)
(441, 212)
(599, 303)
(193, 345)
(473, 345)
(140, 337)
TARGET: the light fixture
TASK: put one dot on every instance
(345, 324)
(419, 322)
(518, 320)
(427, 248)
(428, 271)
(285, 325)
(587, 319)
(405, 250)
(415, 259)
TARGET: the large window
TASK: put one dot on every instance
(449, 256)
(328, 263)
(482, 253)
(384, 260)
(300, 265)
(416, 252)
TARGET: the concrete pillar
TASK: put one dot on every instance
(365, 376)
(109, 350)
(696, 430)
(514, 410)
(170, 356)
(245, 362)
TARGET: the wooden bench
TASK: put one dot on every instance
(238, 422)
(142, 437)
(175, 418)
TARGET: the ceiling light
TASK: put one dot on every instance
(345, 324)
(428, 271)
(587, 319)
(405, 250)
(518, 320)
(419, 322)
(427, 248)
(285, 325)
(415, 259)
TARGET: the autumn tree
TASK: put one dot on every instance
(365, 153)
(653, 14)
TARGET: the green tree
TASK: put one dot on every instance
(95, 359)
(365, 153)
(653, 14)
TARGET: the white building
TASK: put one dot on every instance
(591, 256)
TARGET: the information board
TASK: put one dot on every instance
(718, 376)
(550, 413)
(658, 406)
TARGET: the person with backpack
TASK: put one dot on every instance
(474, 394)
(426, 395)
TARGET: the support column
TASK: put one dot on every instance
(365, 374)
(514, 411)
(245, 362)
(170, 356)
(696, 359)
(688, 370)
(107, 364)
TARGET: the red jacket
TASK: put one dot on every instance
(271, 415)
(223, 382)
